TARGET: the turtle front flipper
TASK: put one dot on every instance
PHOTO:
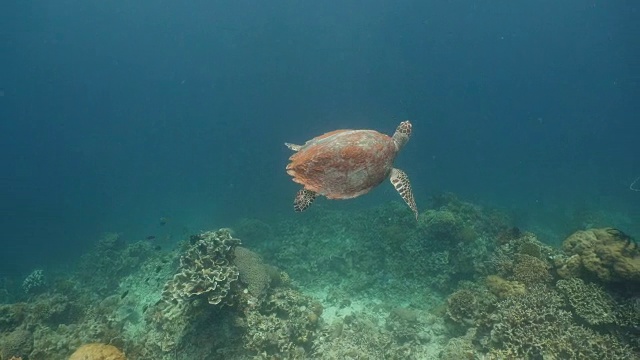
(304, 199)
(400, 181)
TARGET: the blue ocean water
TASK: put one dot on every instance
(116, 114)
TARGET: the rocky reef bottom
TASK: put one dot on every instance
(460, 283)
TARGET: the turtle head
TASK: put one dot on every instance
(402, 134)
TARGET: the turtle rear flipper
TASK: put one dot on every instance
(293, 147)
(304, 199)
(400, 181)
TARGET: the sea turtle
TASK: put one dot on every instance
(344, 164)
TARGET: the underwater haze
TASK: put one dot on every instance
(116, 114)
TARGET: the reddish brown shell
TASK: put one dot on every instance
(343, 164)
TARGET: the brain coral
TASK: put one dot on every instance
(97, 352)
(205, 269)
(253, 271)
(462, 306)
(606, 253)
(530, 270)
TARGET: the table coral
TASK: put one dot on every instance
(607, 253)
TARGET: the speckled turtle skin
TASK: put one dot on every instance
(343, 164)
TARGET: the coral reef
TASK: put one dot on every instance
(364, 335)
(283, 327)
(97, 352)
(111, 260)
(607, 254)
(531, 317)
(460, 348)
(441, 225)
(373, 284)
(18, 342)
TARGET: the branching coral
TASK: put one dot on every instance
(606, 253)
(530, 270)
(589, 301)
(535, 325)
(205, 269)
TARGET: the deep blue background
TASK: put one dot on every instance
(113, 114)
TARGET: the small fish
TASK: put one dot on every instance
(163, 220)
(150, 237)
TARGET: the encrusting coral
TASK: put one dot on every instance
(607, 253)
